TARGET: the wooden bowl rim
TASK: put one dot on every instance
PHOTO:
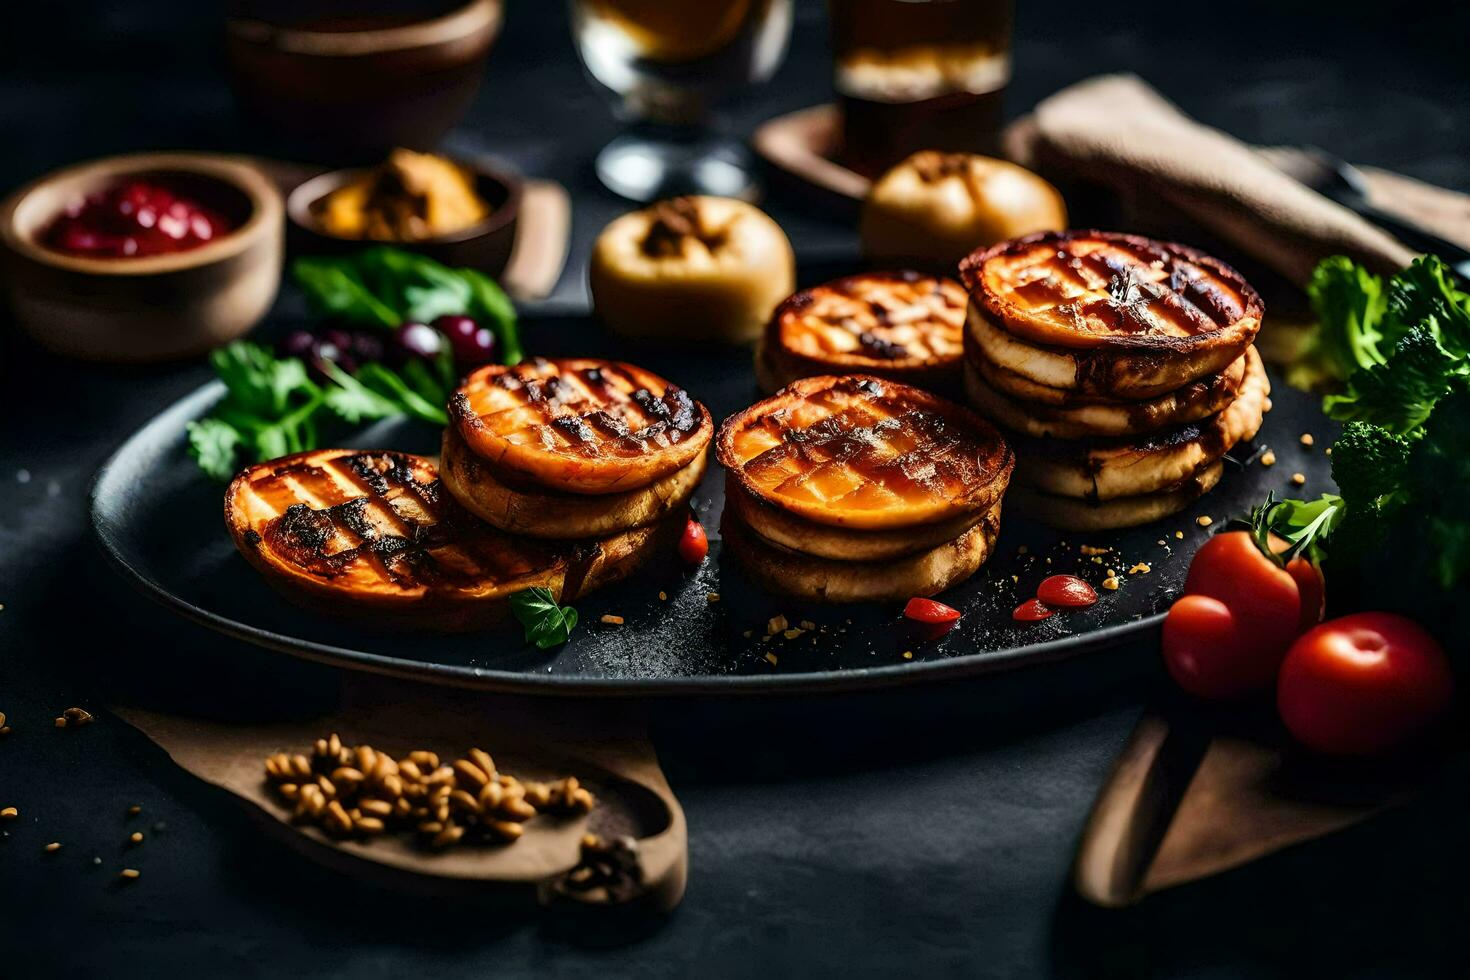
(447, 28)
(266, 213)
(305, 195)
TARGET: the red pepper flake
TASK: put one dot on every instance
(1031, 611)
(929, 611)
(693, 543)
(1066, 591)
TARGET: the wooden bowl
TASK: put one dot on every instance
(349, 88)
(485, 245)
(151, 308)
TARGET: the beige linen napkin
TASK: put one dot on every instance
(1118, 132)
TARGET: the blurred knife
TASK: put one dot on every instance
(1340, 181)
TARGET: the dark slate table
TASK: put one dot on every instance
(928, 831)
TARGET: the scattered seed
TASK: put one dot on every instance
(663, 597)
(1110, 583)
(908, 655)
(1179, 535)
(136, 837)
(1204, 520)
(771, 658)
(612, 620)
(9, 813)
(60, 722)
(52, 847)
(1307, 439)
(1298, 479)
(130, 874)
(1268, 458)
(1327, 451)
(1142, 568)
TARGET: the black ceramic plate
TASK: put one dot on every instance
(161, 523)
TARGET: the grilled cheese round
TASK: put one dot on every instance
(373, 536)
(579, 426)
(865, 453)
(904, 326)
(1102, 313)
(1073, 514)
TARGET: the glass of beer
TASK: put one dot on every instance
(666, 64)
(919, 75)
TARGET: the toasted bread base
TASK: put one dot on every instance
(540, 513)
(813, 579)
(993, 392)
(1072, 514)
(464, 598)
(1107, 470)
(1106, 371)
(837, 543)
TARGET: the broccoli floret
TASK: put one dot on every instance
(1368, 462)
(1401, 393)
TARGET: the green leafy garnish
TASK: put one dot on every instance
(546, 624)
(383, 286)
(1399, 531)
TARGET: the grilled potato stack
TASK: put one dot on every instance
(904, 326)
(1124, 367)
(371, 535)
(854, 488)
(573, 449)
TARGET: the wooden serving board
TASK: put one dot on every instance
(1195, 793)
(606, 748)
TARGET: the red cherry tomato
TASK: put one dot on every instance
(693, 543)
(1363, 684)
(929, 611)
(1031, 611)
(1234, 645)
(1067, 591)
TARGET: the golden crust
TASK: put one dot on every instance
(813, 579)
(541, 513)
(865, 453)
(1106, 469)
(838, 543)
(1058, 414)
(904, 326)
(372, 536)
(580, 425)
(1072, 514)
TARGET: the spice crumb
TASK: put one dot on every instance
(1110, 583)
(1204, 520)
(1298, 479)
(612, 620)
(663, 597)
(908, 655)
(9, 813)
(60, 722)
(1327, 451)
(775, 624)
(136, 837)
(771, 658)
(130, 874)
(1268, 458)
(52, 847)
(1142, 568)
(1307, 439)
(1088, 549)
(792, 634)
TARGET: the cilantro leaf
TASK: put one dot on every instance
(334, 288)
(213, 443)
(546, 624)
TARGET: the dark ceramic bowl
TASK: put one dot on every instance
(347, 82)
(485, 246)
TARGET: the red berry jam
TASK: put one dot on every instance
(134, 219)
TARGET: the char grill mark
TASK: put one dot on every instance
(426, 542)
(875, 346)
